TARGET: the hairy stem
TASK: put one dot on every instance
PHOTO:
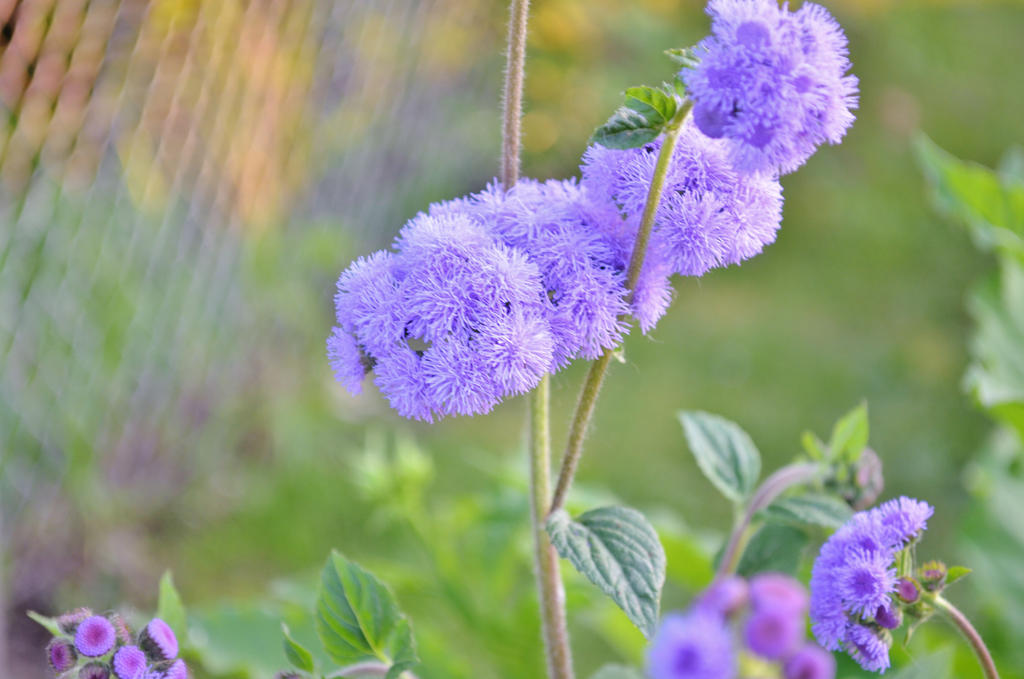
(773, 486)
(961, 622)
(595, 377)
(515, 62)
(549, 581)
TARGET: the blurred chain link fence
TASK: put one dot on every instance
(147, 149)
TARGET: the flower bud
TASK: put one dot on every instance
(906, 590)
(94, 670)
(61, 654)
(69, 622)
(932, 575)
(889, 617)
(177, 670)
(124, 633)
(810, 662)
(129, 663)
(868, 479)
(158, 641)
(726, 596)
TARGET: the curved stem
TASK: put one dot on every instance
(549, 581)
(595, 377)
(773, 486)
(961, 622)
(367, 669)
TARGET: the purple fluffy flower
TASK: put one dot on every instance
(709, 215)
(697, 645)
(774, 633)
(853, 582)
(777, 591)
(95, 636)
(810, 662)
(868, 647)
(177, 670)
(772, 83)
(452, 322)
(129, 663)
(158, 640)
(725, 596)
(70, 621)
(61, 655)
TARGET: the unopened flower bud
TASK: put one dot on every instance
(129, 663)
(69, 622)
(94, 670)
(906, 590)
(867, 477)
(124, 633)
(177, 670)
(61, 654)
(889, 617)
(932, 575)
(158, 641)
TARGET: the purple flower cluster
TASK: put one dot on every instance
(102, 646)
(854, 580)
(763, 618)
(483, 295)
(772, 82)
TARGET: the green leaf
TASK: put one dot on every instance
(955, 573)
(357, 618)
(816, 509)
(935, 665)
(169, 607)
(724, 452)
(49, 623)
(849, 435)
(652, 103)
(617, 550)
(993, 209)
(626, 129)
(617, 672)
(296, 653)
(683, 56)
(813, 446)
(775, 547)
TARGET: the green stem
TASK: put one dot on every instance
(595, 377)
(776, 484)
(549, 581)
(961, 622)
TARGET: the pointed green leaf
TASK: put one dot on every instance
(357, 618)
(49, 623)
(169, 607)
(816, 509)
(296, 653)
(724, 452)
(617, 672)
(955, 573)
(849, 435)
(775, 547)
(683, 56)
(813, 446)
(652, 103)
(617, 550)
(626, 129)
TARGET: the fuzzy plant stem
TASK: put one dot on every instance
(961, 622)
(773, 487)
(549, 582)
(598, 369)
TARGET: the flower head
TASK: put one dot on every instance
(854, 584)
(774, 633)
(95, 636)
(771, 82)
(810, 662)
(725, 596)
(697, 645)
